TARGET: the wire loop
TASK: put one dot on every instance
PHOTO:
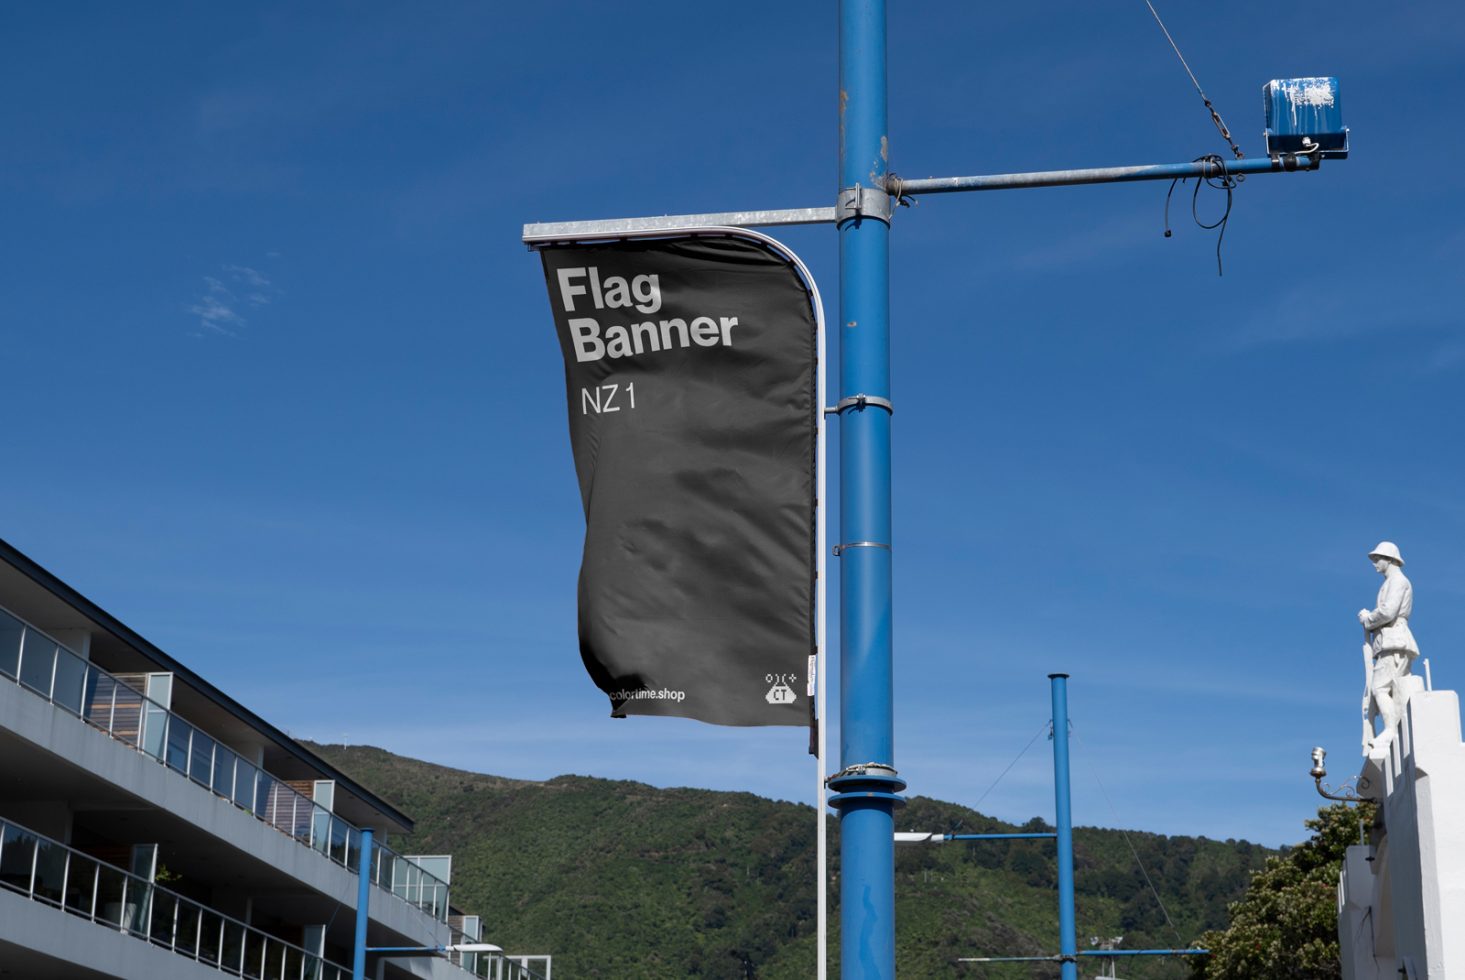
(1225, 181)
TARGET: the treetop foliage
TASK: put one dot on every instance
(1285, 926)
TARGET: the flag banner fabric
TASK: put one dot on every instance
(690, 371)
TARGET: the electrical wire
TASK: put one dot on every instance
(1142, 870)
(1215, 116)
(1226, 181)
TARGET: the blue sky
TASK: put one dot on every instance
(283, 393)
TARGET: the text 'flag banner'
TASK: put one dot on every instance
(690, 370)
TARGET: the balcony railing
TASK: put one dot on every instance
(38, 662)
(408, 881)
(499, 966)
(48, 871)
(494, 966)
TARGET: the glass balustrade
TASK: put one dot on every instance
(48, 871)
(519, 969)
(493, 966)
(394, 873)
(34, 660)
(498, 966)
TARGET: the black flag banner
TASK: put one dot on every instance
(690, 367)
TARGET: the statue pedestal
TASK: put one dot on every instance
(1401, 897)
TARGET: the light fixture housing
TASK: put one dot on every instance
(1305, 115)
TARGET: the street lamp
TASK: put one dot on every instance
(436, 950)
(921, 837)
(1319, 772)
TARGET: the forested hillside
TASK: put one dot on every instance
(620, 879)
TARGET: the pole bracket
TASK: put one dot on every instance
(1291, 162)
(1344, 793)
(841, 548)
(860, 401)
(865, 781)
(862, 202)
(861, 769)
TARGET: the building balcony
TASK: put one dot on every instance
(48, 872)
(468, 929)
(116, 705)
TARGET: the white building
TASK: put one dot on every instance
(151, 826)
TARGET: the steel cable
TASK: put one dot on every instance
(1142, 870)
(1215, 116)
(1014, 762)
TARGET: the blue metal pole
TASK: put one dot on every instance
(1063, 817)
(363, 905)
(867, 785)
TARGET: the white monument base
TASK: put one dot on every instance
(1401, 897)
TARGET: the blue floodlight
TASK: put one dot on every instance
(1305, 115)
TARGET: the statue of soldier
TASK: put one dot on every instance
(1390, 648)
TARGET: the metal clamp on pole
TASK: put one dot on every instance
(862, 202)
(841, 548)
(861, 769)
(860, 401)
(1291, 162)
(867, 780)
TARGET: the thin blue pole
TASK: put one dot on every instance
(867, 785)
(1110, 175)
(999, 836)
(1063, 817)
(1087, 952)
(363, 905)
(1196, 951)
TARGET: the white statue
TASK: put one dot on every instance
(1390, 649)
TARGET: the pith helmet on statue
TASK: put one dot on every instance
(1389, 550)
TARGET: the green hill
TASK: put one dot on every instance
(620, 879)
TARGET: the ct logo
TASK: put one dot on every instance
(780, 692)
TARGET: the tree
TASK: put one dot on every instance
(1285, 927)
